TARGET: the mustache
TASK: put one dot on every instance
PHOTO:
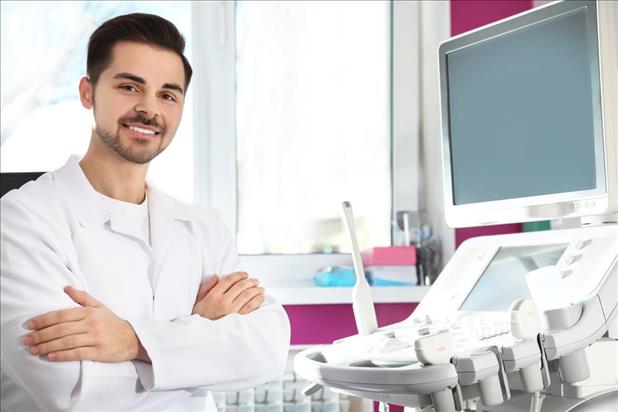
(143, 120)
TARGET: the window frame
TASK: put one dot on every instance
(215, 126)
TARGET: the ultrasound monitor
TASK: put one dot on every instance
(528, 108)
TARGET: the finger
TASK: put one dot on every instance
(57, 316)
(65, 343)
(244, 297)
(230, 280)
(54, 332)
(240, 287)
(206, 287)
(81, 297)
(82, 353)
(253, 304)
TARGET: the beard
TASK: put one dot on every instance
(136, 152)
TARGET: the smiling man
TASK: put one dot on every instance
(114, 295)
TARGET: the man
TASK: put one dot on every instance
(114, 295)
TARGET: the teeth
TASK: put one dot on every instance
(142, 131)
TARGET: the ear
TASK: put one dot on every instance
(86, 91)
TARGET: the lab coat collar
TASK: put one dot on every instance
(167, 205)
(88, 205)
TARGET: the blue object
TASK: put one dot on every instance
(386, 282)
(338, 276)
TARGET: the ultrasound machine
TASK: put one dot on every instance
(524, 321)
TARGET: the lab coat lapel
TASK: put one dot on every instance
(83, 200)
(166, 230)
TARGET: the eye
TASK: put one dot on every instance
(128, 87)
(169, 97)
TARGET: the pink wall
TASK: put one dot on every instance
(315, 324)
(470, 14)
(467, 15)
(466, 233)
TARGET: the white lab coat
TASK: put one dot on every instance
(56, 231)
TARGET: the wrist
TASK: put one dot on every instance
(141, 353)
(136, 349)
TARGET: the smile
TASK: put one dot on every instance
(141, 131)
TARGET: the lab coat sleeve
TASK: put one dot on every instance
(232, 353)
(33, 273)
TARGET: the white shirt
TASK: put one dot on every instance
(57, 231)
(134, 220)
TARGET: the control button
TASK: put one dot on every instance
(569, 259)
(392, 345)
(428, 320)
(581, 243)
(423, 331)
(485, 334)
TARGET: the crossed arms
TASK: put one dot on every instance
(243, 349)
(93, 332)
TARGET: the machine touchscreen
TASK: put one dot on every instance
(504, 279)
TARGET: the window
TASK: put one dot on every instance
(44, 47)
(312, 124)
(307, 104)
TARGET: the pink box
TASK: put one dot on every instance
(389, 256)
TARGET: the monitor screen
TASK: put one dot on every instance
(522, 112)
(504, 279)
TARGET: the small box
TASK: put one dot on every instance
(389, 256)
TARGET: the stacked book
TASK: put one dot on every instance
(391, 265)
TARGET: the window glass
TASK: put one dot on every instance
(313, 124)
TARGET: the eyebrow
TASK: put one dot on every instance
(140, 80)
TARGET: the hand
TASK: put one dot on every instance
(91, 332)
(236, 293)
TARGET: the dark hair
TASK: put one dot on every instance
(136, 27)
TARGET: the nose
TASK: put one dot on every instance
(147, 106)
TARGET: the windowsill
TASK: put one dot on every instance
(305, 292)
(289, 279)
